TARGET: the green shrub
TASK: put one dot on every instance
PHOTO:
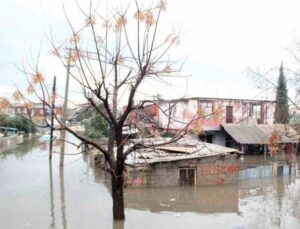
(96, 127)
(19, 122)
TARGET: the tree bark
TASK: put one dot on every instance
(118, 197)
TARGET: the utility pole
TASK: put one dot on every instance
(52, 117)
(64, 112)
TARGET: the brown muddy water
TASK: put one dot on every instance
(32, 195)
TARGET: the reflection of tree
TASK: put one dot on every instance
(62, 198)
(52, 225)
(118, 224)
(21, 150)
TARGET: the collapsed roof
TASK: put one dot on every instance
(183, 149)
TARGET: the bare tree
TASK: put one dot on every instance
(112, 57)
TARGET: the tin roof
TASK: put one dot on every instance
(260, 133)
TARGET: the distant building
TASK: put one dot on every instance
(37, 112)
(6, 107)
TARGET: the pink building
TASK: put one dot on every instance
(215, 112)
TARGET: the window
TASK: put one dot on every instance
(206, 106)
(255, 111)
(187, 176)
(173, 109)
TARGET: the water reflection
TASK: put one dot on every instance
(52, 215)
(208, 199)
(118, 224)
(20, 151)
(79, 198)
(204, 199)
(62, 198)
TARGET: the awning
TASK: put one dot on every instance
(260, 133)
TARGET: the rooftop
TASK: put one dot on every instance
(183, 149)
(213, 98)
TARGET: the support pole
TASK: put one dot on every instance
(64, 113)
(52, 117)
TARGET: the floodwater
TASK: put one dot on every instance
(34, 194)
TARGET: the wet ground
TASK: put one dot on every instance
(34, 194)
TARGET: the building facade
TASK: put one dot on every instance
(37, 112)
(208, 114)
(6, 107)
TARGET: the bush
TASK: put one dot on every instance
(19, 122)
(96, 127)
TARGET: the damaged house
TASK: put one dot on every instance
(186, 162)
(239, 123)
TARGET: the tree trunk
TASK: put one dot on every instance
(118, 180)
(118, 198)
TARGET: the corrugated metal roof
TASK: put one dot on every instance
(260, 133)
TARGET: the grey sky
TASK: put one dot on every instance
(220, 38)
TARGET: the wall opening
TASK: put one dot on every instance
(229, 114)
(206, 138)
(187, 176)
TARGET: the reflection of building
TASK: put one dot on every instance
(204, 199)
(37, 112)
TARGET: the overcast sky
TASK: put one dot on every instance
(220, 38)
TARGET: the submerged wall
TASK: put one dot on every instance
(207, 171)
(214, 170)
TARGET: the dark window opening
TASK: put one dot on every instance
(187, 176)
(206, 138)
(229, 142)
(229, 114)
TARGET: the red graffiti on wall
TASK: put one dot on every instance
(214, 170)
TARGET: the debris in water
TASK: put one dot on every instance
(164, 205)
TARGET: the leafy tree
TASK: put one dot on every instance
(281, 114)
(96, 127)
(19, 122)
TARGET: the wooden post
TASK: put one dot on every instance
(52, 117)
